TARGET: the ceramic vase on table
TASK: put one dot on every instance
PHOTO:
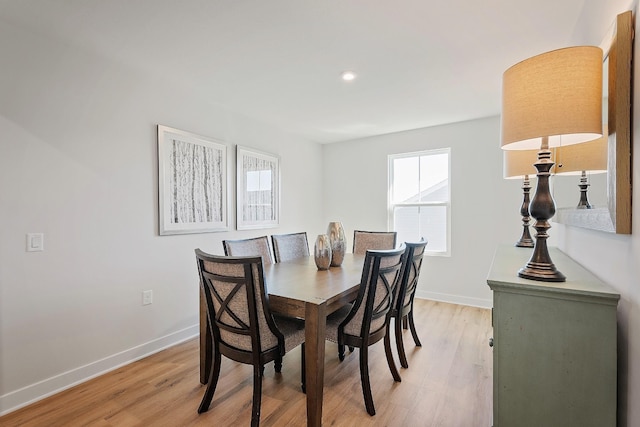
(335, 231)
(322, 252)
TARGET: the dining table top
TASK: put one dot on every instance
(300, 281)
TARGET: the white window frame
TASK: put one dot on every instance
(447, 204)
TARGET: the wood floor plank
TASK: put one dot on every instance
(448, 384)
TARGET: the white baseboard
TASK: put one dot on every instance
(45, 388)
(454, 299)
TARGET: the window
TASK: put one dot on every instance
(420, 198)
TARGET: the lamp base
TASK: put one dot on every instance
(542, 207)
(584, 185)
(545, 272)
(525, 241)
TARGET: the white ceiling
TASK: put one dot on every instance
(419, 63)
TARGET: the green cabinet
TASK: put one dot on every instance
(554, 345)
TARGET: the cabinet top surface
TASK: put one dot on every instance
(509, 259)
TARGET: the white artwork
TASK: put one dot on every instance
(192, 180)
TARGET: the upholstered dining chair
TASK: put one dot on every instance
(249, 247)
(374, 240)
(403, 300)
(290, 246)
(242, 327)
(365, 322)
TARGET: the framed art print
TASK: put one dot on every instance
(192, 183)
(258, 189)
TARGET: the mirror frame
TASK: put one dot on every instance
(616, 218)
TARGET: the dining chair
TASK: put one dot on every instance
(249, 247)
(242, 327)
(365, 322)
(403, 300)
(287, 247)
(374, 240)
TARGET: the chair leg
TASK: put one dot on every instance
(364, 380)
(211, 385)
(400, 343)
(303, 373)
(257, 396)
(387, 351)
(208, 354)
(278, 364)
(404, 322)
(341, 352)
(413, 329)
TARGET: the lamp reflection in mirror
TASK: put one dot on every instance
(549, 98)
(589, 157)
(518, 164)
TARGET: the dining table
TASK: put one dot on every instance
(297, 288)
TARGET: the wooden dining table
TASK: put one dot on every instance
(298, 289)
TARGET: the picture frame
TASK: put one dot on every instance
(192, 183)
(257, 188)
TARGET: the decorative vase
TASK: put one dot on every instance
(322, 252)
(338, 242)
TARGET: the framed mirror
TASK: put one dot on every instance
(615, 215)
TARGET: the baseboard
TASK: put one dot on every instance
(40, 390)
(454, 299)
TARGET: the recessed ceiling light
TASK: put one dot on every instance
(347, 76)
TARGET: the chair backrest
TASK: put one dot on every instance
(237, 307)
(414, 253)
(381, 274)
(373, 240)
(257, 246)
(290, 246)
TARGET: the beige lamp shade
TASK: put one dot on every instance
(557, 94)
(518, 163)
(590, 157)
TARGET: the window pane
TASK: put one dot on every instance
(434, 178)
(430, 222)
(406, 179)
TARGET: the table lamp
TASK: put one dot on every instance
(551, 99)
(518, 164)
(579, 159)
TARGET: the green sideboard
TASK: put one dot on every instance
(554, 345)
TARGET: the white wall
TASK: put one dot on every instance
(79, 164)
(485, 208)
(614, 258)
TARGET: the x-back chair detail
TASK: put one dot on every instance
(241, 325)
(365, 322)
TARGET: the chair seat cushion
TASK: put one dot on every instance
(334, 320)
(292, 329)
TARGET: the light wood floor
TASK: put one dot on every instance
(448, 384)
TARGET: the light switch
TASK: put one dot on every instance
(35, 242)
(147, 297)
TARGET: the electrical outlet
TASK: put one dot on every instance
(147, 297)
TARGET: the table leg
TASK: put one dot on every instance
(315, 326)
